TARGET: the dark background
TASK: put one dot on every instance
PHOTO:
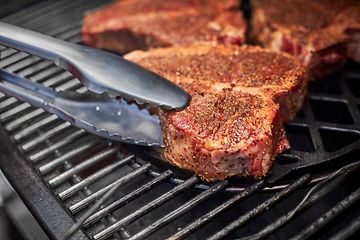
(10, 6)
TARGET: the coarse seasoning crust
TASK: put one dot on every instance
(241, 96)
(224, 134)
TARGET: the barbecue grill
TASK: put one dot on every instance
(60, 171)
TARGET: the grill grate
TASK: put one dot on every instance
(61, 171)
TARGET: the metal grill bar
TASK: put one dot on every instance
(71, 83)
(179, 211)
(7, 53)
(71, 231)
(106, 233)
(49, 24)
(313, 198)
(123, 180)
(52, 81)
(18, 136)
(47, 21)
(94, 177)
(20, 61)
(221, 208)
(60, 160)
(353, 108)
(82, 166)
(11, 126)
(7, 102)
(38, 15)
(13, 111)
(14, 60)
(34, 12)
(49, 71)
(23, 119)
(348, 231)
(337, 127)
(314, 132)
(43, 137)
(61, 77)
(25, 132)
(63, 32)
(38, 69)
(51, 118)
(329, 215)
(56, 145)
(261, 208)
(127, 198)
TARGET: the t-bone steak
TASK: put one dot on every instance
(241, 97)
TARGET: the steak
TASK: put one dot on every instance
(321, 33)
(241, 96)
(127, 25)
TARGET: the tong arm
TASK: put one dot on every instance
(98, 70)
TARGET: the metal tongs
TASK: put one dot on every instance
(107, 75)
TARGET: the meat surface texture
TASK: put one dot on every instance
(321, 33)
(129, 25)
(241, 96)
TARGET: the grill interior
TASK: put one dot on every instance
(61, 171)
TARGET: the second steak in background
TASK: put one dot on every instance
(128, 25)
(321, 34)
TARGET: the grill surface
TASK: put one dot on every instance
(61, 171)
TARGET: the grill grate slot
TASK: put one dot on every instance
(37, 156)
(94, 177)
(123, 180)
(122, 201)
(79, 168)
(23, 133)
(348, 231)
(44, 169)
(310, 201)
(212, 214)
(23, 119)
(181, 210)
(261, 208)
(143, 210)
(82, 166)
(328, 216)
(43, 137)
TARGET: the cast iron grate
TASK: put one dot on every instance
(153, 200)
(328, 127)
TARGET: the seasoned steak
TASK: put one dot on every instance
(241, 96)
(127, 25)
(321, 33)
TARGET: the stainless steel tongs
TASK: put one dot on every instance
(106, 74)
